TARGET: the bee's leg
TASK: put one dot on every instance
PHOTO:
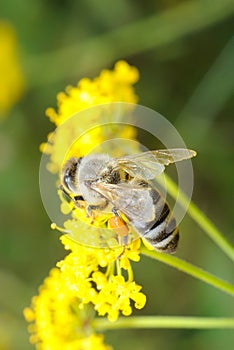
(66, 194)
(125, 240)
(90, 213)
(121, 228)
(76, 200)
(116, 212)
(90, 208)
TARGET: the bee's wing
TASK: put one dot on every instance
(152, 163)
(135, 202)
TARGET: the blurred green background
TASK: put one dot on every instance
(184, 51)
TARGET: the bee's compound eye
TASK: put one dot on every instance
(68, 181)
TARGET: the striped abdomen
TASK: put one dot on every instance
(162, 232)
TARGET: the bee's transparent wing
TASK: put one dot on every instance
(149, 164)
(135, 202)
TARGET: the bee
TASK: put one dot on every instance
(124, 186)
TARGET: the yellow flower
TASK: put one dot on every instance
(93, 269)
(11, 77)
(115, 296)
(61, 315)
(58, 322)
(76, 134)
(110, 86)
(96, 277)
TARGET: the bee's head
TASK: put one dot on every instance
(69, 175)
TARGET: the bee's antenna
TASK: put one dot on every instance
(61, 187)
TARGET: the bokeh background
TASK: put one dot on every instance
(184, 51)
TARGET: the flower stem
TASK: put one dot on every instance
(102, 324)
(130, 273)
(201, 219)
(190, 270)
(118, 268)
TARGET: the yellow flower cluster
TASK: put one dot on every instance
(61, 315)
(57, 322)
(76, 121)
(110, 86)
(11, 77)
(96, 277)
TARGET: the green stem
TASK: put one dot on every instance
(118, 268)
(200, 219)
(156, 31)
(190, 270)
(211, 230)
(130, 273)
(102, 324)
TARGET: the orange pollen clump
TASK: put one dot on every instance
(120, 227)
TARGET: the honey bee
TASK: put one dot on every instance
(123, 186)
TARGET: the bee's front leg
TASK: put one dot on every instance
(91, 207)
(78, 201)
(90, 213)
